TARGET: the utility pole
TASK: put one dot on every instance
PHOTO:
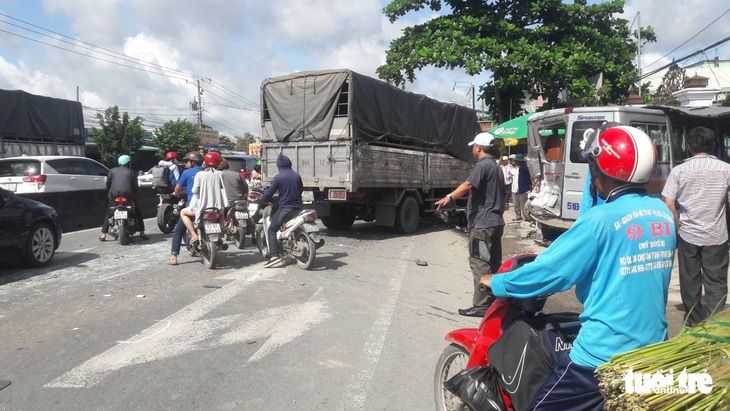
(638, 46)
(200, 105)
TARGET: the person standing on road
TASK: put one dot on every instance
(290, 187)
(515, 175)
(507, 173)
(193, 162)
(524, 185)
(234, 183)
(484, 209)
(122, 181)
(697, 193)
(619, 258)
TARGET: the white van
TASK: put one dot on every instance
(556, 139)
(51, 174)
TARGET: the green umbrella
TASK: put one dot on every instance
(515, 128)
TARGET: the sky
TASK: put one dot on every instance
(146, 56)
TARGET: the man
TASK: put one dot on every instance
(619, 258)
(485, 187)
(506, 172)
(697, 193)
(524, 185)
(193, 162)
(234, 184)
(515, 175)
(122, 181)
(290, 187)
(170, 162)
(207, 193)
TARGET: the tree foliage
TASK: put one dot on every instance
(227, 143)
(118, 135)
(538, 47)
(176, 135)
(672, 81)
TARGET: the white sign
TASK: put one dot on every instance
(662, 382)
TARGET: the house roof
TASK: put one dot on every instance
(717, 71)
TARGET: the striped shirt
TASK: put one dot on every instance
(700, 188)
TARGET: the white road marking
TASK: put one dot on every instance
(356, 391)
(185, 331)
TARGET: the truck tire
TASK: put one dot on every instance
(550, 233)
(341, 217)
(407, 216)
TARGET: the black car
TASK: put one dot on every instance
(28, 228)
(242, 163)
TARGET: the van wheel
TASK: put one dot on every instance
(550, 233)
(407, 215)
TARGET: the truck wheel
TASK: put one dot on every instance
(406, 219)
(341, 218)
(550, 233)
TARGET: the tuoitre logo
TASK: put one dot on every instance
(662, 382)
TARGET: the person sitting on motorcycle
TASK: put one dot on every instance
(290, 187)
(207, 192)
(233, 182)
(623, 299)
(170, 162)
(193, 162)
(122, 181)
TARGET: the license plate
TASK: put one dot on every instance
(9, 186)
(119, 215)
(240, 215)
(311, 228)
(212, 228)
(308, 196)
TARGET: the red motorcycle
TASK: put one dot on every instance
(470, 347)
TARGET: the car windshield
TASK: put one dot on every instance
(19, 168)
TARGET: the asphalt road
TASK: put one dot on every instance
(107, 326)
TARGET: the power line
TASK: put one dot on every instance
(695, 53)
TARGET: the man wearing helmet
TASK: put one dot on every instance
(697, 193)
(122, 181)
(170, 162)
(193, 162)
(207, 192)
(618, 256)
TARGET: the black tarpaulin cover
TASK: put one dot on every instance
(302, 107)
(29, 117)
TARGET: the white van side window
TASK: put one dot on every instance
(658, 134)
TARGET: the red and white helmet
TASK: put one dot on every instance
(212, 159)
(624, 153)
(170, 155)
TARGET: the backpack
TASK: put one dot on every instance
(161, 177)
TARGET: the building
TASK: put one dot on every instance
(716, 71)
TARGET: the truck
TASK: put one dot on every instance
(557, 137)
(38, 125)
(364, 148)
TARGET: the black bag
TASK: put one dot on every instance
(478, 388)
(161, 177)
(527, 353)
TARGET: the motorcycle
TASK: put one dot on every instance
(122, 223)
(239, 223)
(169, 212)
(469, 346)
(298, 237)
(210, 237)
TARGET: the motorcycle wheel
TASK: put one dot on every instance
(261, 241)
(166, 220)
(210, 252)
(451, 362)
(305, 249)
(240, 239)
(123, 234)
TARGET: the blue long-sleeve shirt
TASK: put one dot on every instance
(290, 187)
(619, 257)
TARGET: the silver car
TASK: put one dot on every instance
(48, 174)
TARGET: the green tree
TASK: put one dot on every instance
(176, 135)
(672, 81)
(538, 47)
(118, 135)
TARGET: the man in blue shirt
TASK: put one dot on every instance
(618, 256)
(193, 162)
(289, 185)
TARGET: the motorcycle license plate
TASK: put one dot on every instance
(212, 228)
(120, 214)
(240, 215)
(311, 227)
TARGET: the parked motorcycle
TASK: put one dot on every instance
(239, 223)
(210, 235)
(469, 346)
(122, 223)
(169, 212)
(298, 237)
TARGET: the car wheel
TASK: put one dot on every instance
(40, 246)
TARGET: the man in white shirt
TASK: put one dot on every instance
(506, 171)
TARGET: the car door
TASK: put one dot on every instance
(11, 221)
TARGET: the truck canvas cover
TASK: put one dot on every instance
(28, 117)
(302, 107)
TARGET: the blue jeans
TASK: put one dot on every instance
(177, 237)
(281, 216)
